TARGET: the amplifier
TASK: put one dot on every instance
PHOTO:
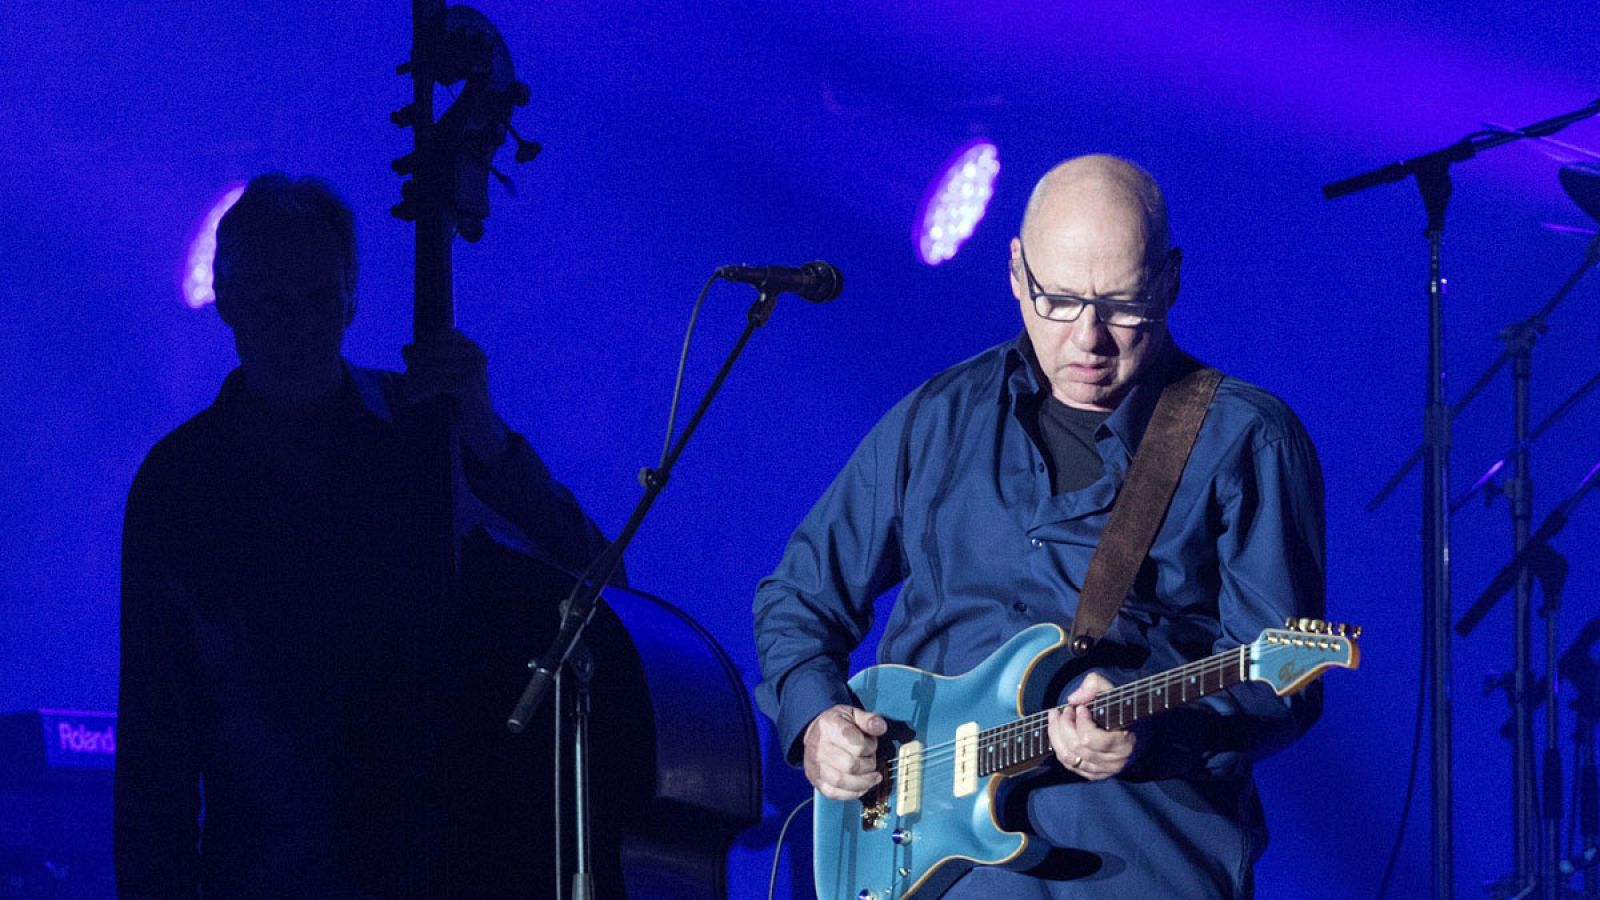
(57, 745)
(56, 770)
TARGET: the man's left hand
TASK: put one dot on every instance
(450, 364)
(1083, 747)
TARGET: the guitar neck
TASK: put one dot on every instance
(1026, 741)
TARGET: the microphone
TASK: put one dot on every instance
(815, 281)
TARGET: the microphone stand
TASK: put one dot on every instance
(1517, 337)
(1536, 558)
(1577, 667)
(1486, 480)
(1503, 580)
(580, 605)
(1432, 174)
(580, 669)
(1551, 571)
(1584, 673)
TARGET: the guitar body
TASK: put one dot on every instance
(952, 742)
(924, 843)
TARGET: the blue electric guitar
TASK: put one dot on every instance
(953, 741)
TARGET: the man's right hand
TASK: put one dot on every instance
(841, 752)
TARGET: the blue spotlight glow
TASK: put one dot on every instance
(955, 201)
(197, 265)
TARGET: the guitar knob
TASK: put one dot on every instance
(866, 894)
(900, 836)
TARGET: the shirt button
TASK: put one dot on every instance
(1019, 606)
(1041, 467)
(1036, 543)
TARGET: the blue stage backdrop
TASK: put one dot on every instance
(682, 136)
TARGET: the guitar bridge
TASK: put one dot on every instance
(874, 806)
(875, 802)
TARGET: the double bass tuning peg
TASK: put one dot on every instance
(526, 149)
(504, 179)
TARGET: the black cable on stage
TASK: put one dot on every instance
(777, 851)
(1411, 776)
(683, 361)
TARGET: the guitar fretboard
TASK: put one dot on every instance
(1026, 741)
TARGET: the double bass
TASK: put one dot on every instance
(671, 732)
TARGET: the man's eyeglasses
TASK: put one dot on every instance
(1124, 314)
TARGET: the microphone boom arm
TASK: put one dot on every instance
(579, 606)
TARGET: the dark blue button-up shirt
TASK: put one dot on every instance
(949, 496)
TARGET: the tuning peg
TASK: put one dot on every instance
(505, 180)
(526, 149)
(405, 165)
(517, 94)
(405, 116)
(404, 68)
(406, 209)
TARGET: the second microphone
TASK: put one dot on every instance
(815, 281)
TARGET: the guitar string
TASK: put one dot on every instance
(1219, 663)
(933, 756)
(1223, 663)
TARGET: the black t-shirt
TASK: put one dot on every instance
(1068, 437)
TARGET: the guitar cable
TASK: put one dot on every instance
(1411, 778)
(683, 362)
(777, 850)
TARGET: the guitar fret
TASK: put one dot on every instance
(1023, 741)
(1027, 740)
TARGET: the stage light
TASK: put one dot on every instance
(956, 200)
(197, 265)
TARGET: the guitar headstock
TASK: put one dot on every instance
(1289, 658)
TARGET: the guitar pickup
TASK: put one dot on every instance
(908, 778)
(966, 774)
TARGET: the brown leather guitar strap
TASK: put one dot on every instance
(1139, 509)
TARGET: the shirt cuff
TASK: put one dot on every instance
(807, 692)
